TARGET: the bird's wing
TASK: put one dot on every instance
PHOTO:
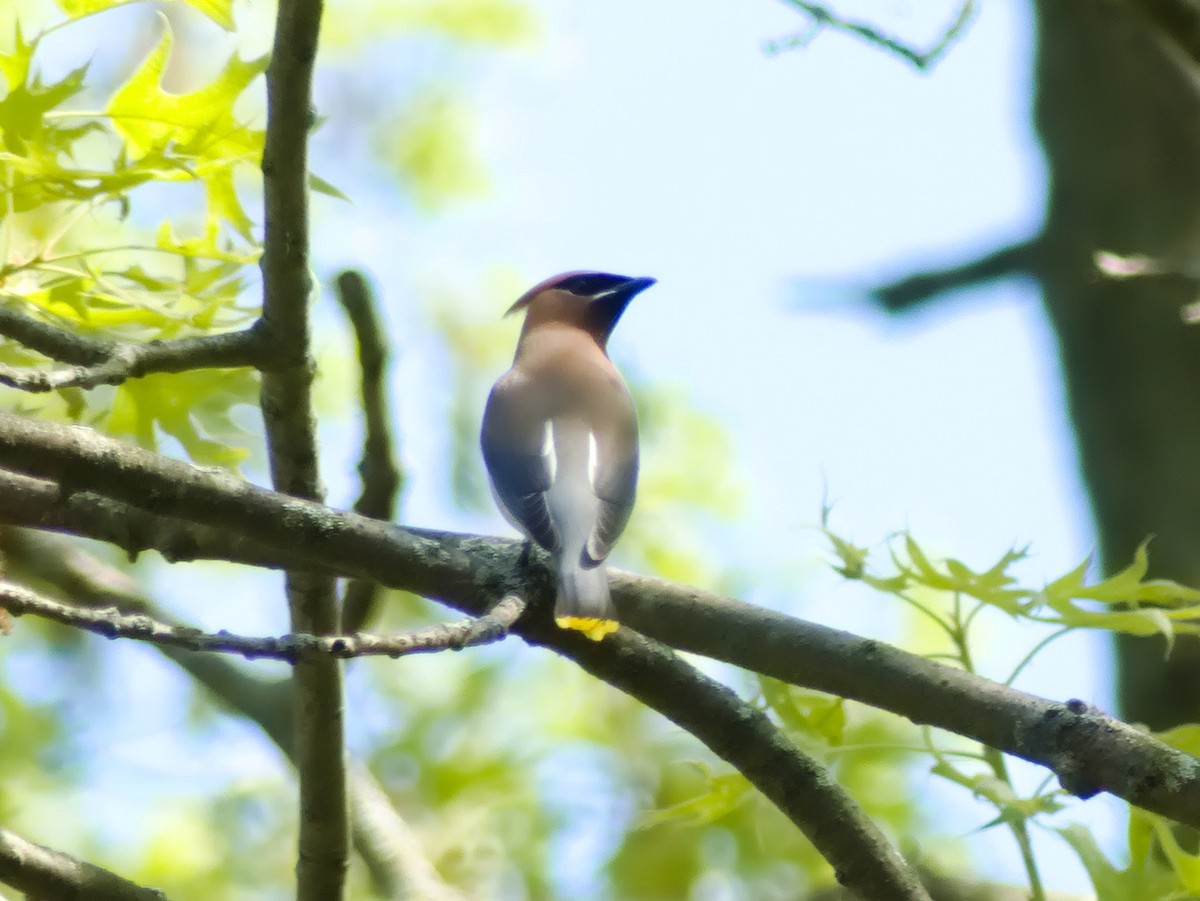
(517, 457)
(614, 478)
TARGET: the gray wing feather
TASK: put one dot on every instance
(615, 486)
(519, 471)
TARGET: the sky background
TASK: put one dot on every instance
(767, 193)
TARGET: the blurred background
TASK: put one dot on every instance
(770, 185)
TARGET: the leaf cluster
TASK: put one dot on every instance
(77, 253)
(951, 595)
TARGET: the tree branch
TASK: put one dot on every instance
(735, 731)
(39, 504)
(860, 854)
(40, 872)
(111, 363)
(388, 846)
(1089, 751)
(382, 478)
(822, 17)
(863, 859)
(291, 433)
(111, 623)
(58, 344)
(1023, 258)
(404, 872)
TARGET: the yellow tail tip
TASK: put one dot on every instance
(595, 629)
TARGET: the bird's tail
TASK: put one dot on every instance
(583, 601)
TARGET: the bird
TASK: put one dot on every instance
(560, 438)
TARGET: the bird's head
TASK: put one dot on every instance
(593, 301)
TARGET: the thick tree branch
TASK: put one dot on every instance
(382, 478)
(40, 872)
(39, 504)
(291, 434)
(112, 623)
(110, 363)
(861, 855)
(735, 731)
(864, 860)
(1089, 751)
(822, 17)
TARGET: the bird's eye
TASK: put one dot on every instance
(590, 284)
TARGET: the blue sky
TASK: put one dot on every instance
(766, 193)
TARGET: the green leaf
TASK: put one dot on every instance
(992, 587)
(726, 792)
(1141, 881)
(1126, 586)
(430, 148)
(224, 205)
(1185, 738)
(479, 21)
(198, 130)
(149, 117)
(191, 407)
(77, 9)
(22, 112)
(321, 186)
(853, 558)
(1134, 605)
(818, 717)
(15, 65)
(220, 11)
(1185, 865)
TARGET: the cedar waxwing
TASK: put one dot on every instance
(560, 437)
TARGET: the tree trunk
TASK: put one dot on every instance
(1118, 113)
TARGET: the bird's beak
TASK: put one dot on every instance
(608, 307)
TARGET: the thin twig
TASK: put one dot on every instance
(112, 623)
(40, 872)
(821, 16)
(382, 477)
(389, 847)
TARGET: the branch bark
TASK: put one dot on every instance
(290, 424)
(41, 872)
(735, 731)
(382, 477)
(110, 622)
(864, 860)
(111, 363)
(388, 846)
(861, 856)
(1090, 752)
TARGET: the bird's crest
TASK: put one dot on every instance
(581, 283)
